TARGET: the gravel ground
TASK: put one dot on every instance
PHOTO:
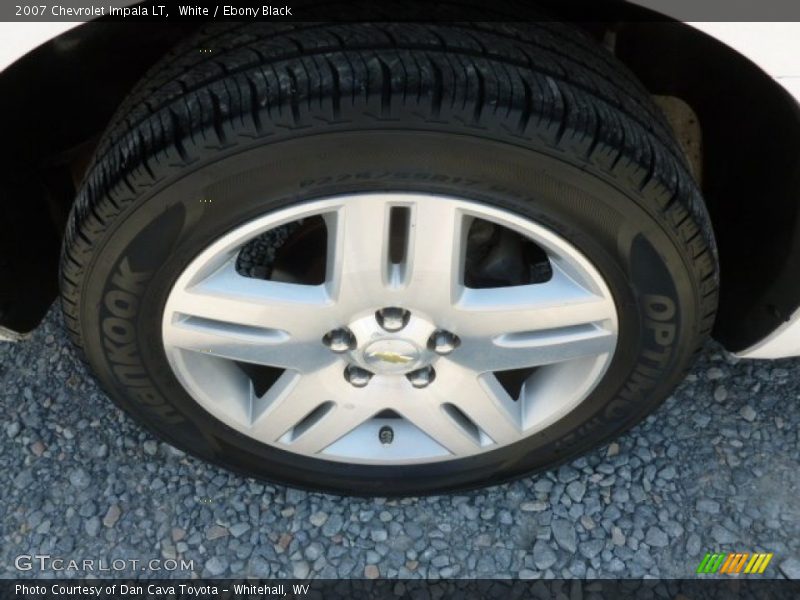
(715, 469)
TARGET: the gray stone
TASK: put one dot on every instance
(112, 515)
(333, 525)
(372, 572)
(215, 532)
(543, 555)
(216, 566)
(313, 551)
(567, 474)
(667, 473)
(693, 545)
(617, 536)
(258, 567)
(591, 548)
(748, 413)
(578, 568)
(79, 479)
(791, 568)
(23, 479)
(92, 526)
(707, 506)
(440, 561)
(564, 534)
(239, 529)
(13, 429)
(295, 496)
(722, 535)
(318, 518)
(656, 537)
(576, 490)
(300, 569)
(379, 535)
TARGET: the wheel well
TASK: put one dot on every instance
(750, 163)
(57, 100)
(54, 103)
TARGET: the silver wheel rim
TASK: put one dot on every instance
(390, 362)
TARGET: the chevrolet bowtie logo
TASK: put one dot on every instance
(391, 357)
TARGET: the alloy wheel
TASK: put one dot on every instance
(398, 355)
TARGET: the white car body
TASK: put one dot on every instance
(772, 46)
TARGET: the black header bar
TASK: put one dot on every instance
(399, 10)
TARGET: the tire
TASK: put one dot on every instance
(534, 121)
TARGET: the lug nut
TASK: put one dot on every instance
(392, 318)
(357, 376)
(339, 340)
(443, 342)
(421, 377)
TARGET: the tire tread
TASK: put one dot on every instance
(545, 79)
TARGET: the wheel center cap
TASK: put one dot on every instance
(392, 355)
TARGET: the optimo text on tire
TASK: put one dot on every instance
(389, 258)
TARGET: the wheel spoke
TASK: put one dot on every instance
(301, 311)
(273, 347)
(435, 254)
(462, 409)
(297, 412)
(285, 404)
(534, 349)
(427, 412)
(334, 425)
(566, 381)
(482, 399)
(219, 383)
(558, 303)
(358, 250)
